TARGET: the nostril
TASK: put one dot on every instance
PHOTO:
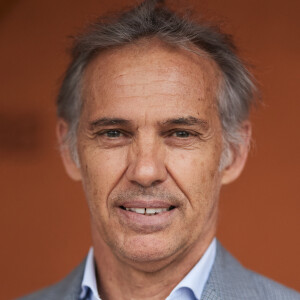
(156, 182)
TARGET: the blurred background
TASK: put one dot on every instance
(44, 219)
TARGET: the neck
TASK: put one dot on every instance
(119, 279)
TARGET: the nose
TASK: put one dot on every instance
(146, 163)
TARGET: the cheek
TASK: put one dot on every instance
(196, 173)
(101, 171)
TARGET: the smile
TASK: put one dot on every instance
(147, 211)
(146, 216)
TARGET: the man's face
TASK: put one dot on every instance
(149, 145)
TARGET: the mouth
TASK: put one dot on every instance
(146, 216)
(147, 211)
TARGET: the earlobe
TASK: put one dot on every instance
(70, 165)
(239, 156)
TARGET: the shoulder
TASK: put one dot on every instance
(68, 288)
(231, 280)
(269, 289)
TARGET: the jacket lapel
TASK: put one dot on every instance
(228, 279)
(70, 287)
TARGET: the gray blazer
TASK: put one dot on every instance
(228, 280)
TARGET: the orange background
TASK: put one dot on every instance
(44, 219)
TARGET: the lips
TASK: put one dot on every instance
(147, 211)
(146, 216)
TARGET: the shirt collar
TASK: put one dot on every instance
(195, 280)
(89, 282)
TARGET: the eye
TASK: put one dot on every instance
(112, 133)
(182, 134)
(111, 138)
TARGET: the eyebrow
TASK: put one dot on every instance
(187, 121)
(109, 122)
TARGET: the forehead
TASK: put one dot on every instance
(150, 69)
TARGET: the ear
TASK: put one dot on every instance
(70, 165)
(239, 156)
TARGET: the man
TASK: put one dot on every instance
(153, 119)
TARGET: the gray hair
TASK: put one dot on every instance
(152, 19)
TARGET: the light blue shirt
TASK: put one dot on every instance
(189, 288)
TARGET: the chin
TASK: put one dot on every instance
(147, 250)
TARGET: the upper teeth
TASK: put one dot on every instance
(144, 211)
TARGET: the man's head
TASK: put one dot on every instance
(153, 119)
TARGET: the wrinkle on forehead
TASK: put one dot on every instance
(149, 68)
